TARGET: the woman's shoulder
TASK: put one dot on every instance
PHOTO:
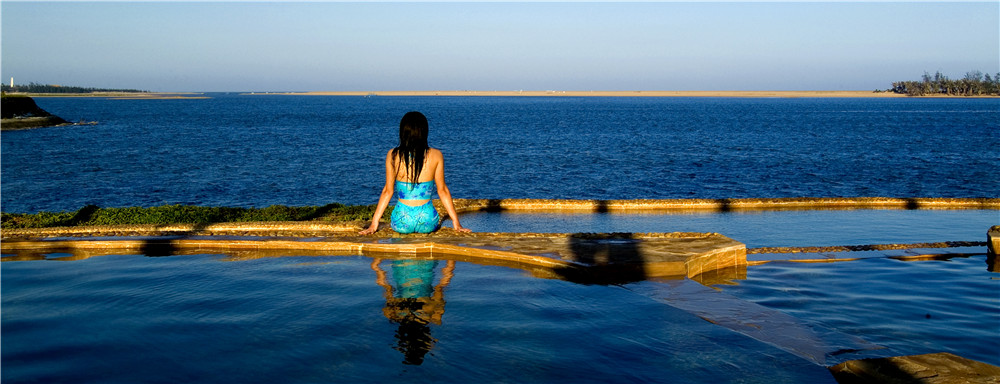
(434, 152)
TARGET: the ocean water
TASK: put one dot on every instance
(259, 150)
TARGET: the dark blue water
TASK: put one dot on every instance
(811, 228)
(201, 319)
(259, 150)
(954, 306)
(212, 318)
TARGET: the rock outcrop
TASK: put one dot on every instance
(21, 112)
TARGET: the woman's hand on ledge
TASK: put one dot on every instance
(370, 230)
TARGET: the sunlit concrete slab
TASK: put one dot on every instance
(618, 257)
(934, 368)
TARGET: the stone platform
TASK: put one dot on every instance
(934, 368)
(621, 256)
(589, 258)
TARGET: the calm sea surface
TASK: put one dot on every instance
(259, 150)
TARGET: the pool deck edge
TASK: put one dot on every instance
(586, 257)
(721, 205)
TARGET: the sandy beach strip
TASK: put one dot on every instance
(127, 95)
(777, 94)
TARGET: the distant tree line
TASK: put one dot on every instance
(48, 88)
(974, 83)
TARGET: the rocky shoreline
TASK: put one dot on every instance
(21, 112)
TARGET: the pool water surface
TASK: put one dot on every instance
(203, 318)
(763, 228)
(212, 318)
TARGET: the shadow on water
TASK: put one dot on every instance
(164, 246)
(601, 206)
(321, 211)
(606, 259)
(84, 215)
(494, 205)
(725, 205)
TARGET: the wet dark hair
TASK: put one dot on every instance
(413, 335)
(412, 144)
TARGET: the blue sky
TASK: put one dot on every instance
(338, 46)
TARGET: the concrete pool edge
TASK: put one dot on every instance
(579, 257)
(641, 255)
(721, 205)
(330, 228)
(321, 228)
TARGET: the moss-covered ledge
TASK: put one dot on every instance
(263, 228)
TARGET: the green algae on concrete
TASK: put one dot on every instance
(93, 215)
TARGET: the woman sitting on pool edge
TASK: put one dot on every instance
(410, 169)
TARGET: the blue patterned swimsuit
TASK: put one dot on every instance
(422, 218)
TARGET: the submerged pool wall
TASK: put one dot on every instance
(993, 248)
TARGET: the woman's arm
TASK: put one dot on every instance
(436, 304)
(445, 195)
(380, 278)
(385, 197)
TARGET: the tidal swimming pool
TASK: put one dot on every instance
(337, 318)
(212, 318)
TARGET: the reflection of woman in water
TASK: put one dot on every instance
(414, 303)
(411, 170)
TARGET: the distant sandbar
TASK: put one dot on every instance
(126, 95)
(613, 93)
